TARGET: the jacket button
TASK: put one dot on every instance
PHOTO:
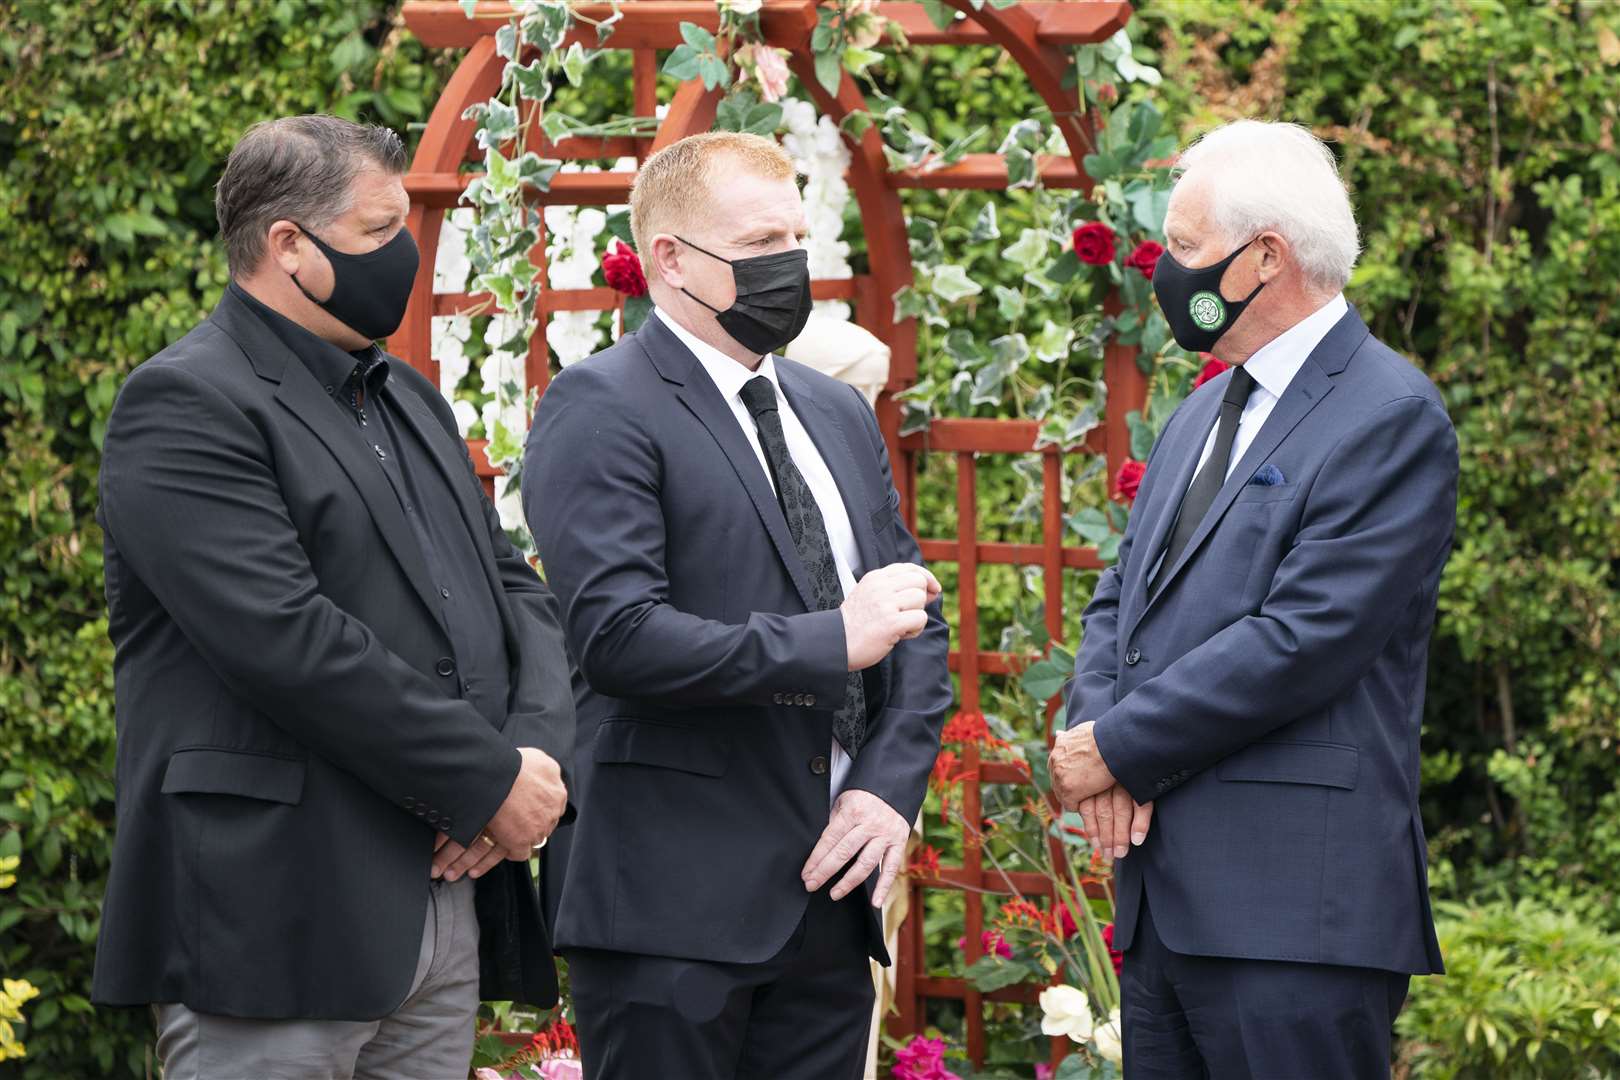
(446, 666)
(809, 699)
(409, 803)
(1133, 657)
(777, 698)
(818, 765)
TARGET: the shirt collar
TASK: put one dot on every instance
(1279, 360)
(332, 366)
(727, 374)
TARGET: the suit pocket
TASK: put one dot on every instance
(1328, 764)
(1265, 493)
(207, 770)
(631, 741)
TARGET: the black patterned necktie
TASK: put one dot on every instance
(809, 533)
(1210, 479)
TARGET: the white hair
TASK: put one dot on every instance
(1280, 177)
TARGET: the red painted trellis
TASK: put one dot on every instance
(1038, 36)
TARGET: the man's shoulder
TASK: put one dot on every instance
(1378, 376)
(206, 353)
(823, 388)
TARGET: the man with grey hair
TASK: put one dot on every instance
(1242, 735)
(342, 697)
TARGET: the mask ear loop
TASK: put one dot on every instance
(711, 255)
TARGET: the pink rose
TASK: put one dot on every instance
(769, 67)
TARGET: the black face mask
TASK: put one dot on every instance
(369, 291)
(773, 298)
(1192, 303)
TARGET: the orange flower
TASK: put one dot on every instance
(924, 862)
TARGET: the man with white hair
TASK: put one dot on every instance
(1252, 674)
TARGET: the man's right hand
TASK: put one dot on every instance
(885, 608)
(526, 819)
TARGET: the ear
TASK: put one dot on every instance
(285, 242)
(664, 260)
(1275, 253)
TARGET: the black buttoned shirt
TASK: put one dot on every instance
(356, 382)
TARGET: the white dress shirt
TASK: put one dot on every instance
(1273, 368)
(730, 377)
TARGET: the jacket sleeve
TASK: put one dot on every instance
(189, 492)
(591, 493)
(1377, 523)
(904, 736)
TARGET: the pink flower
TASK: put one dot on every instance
(486, 1073)
(767, 66)
(1113, 954)
(1043, 1071)
(990, 943)
(1212, 367)
(562, 1069)
(922, 1059)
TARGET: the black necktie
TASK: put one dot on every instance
(809, 533)
(1207, 484)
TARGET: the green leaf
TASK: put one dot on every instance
(573, 64)
(1052, 343)
(618, 225)
(829, 71)
(506, 41)
(1030, 249)
(682, 63)
(1010, 349)
(939, 13)
(984, 226)
(1063, 268)
(987, 384)
(994, 973)
(714, 71)
(951, 283)
(697, 37)
(1045, 679)
(1009, 303)
(636, 310)
(1142, 436)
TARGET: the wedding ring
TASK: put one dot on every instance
(486, 838)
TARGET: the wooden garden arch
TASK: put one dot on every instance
(1039, 36)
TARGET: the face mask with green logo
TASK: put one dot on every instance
(1192, 303)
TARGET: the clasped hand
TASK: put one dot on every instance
(524, 821)
(1112, 820)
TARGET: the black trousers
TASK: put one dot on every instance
(1212, 1018)
(804, 1013)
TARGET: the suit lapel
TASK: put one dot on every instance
(304, 398)
(832, 442)
(1307, 390)
(433, 436)
(676, 364)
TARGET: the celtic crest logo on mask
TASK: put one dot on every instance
(1207, 310)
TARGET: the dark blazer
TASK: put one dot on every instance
(704, 680)
(1268, 697)
(290, 728)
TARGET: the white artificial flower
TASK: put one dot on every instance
(451, 265)
(449, 340)
(466, 415)
(1109, 1041)
(741, 7)
(1066, 1011)
(509, 503)
(573, 335)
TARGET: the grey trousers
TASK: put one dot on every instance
(429, 1037)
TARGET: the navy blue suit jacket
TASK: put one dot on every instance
(705, 681)
(1268, 698)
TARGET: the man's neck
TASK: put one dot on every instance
(699, 321)
(283, 298)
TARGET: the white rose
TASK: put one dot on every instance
(1107, 1039)
(1066, 1011)
(742, 7)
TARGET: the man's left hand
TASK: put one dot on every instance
(861, 824)
(1078, 770)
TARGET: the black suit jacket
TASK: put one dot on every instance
(290, 730)
(705, 680)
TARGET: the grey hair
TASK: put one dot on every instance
(296, 168)
(1281, 177)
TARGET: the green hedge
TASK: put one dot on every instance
(1492, 253)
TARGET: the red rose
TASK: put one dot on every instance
(622, 268)
(1145, 257)
(1094, 243)
(1212, 367)
(1113, 954)
(1129, 479)
(1066, 921)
